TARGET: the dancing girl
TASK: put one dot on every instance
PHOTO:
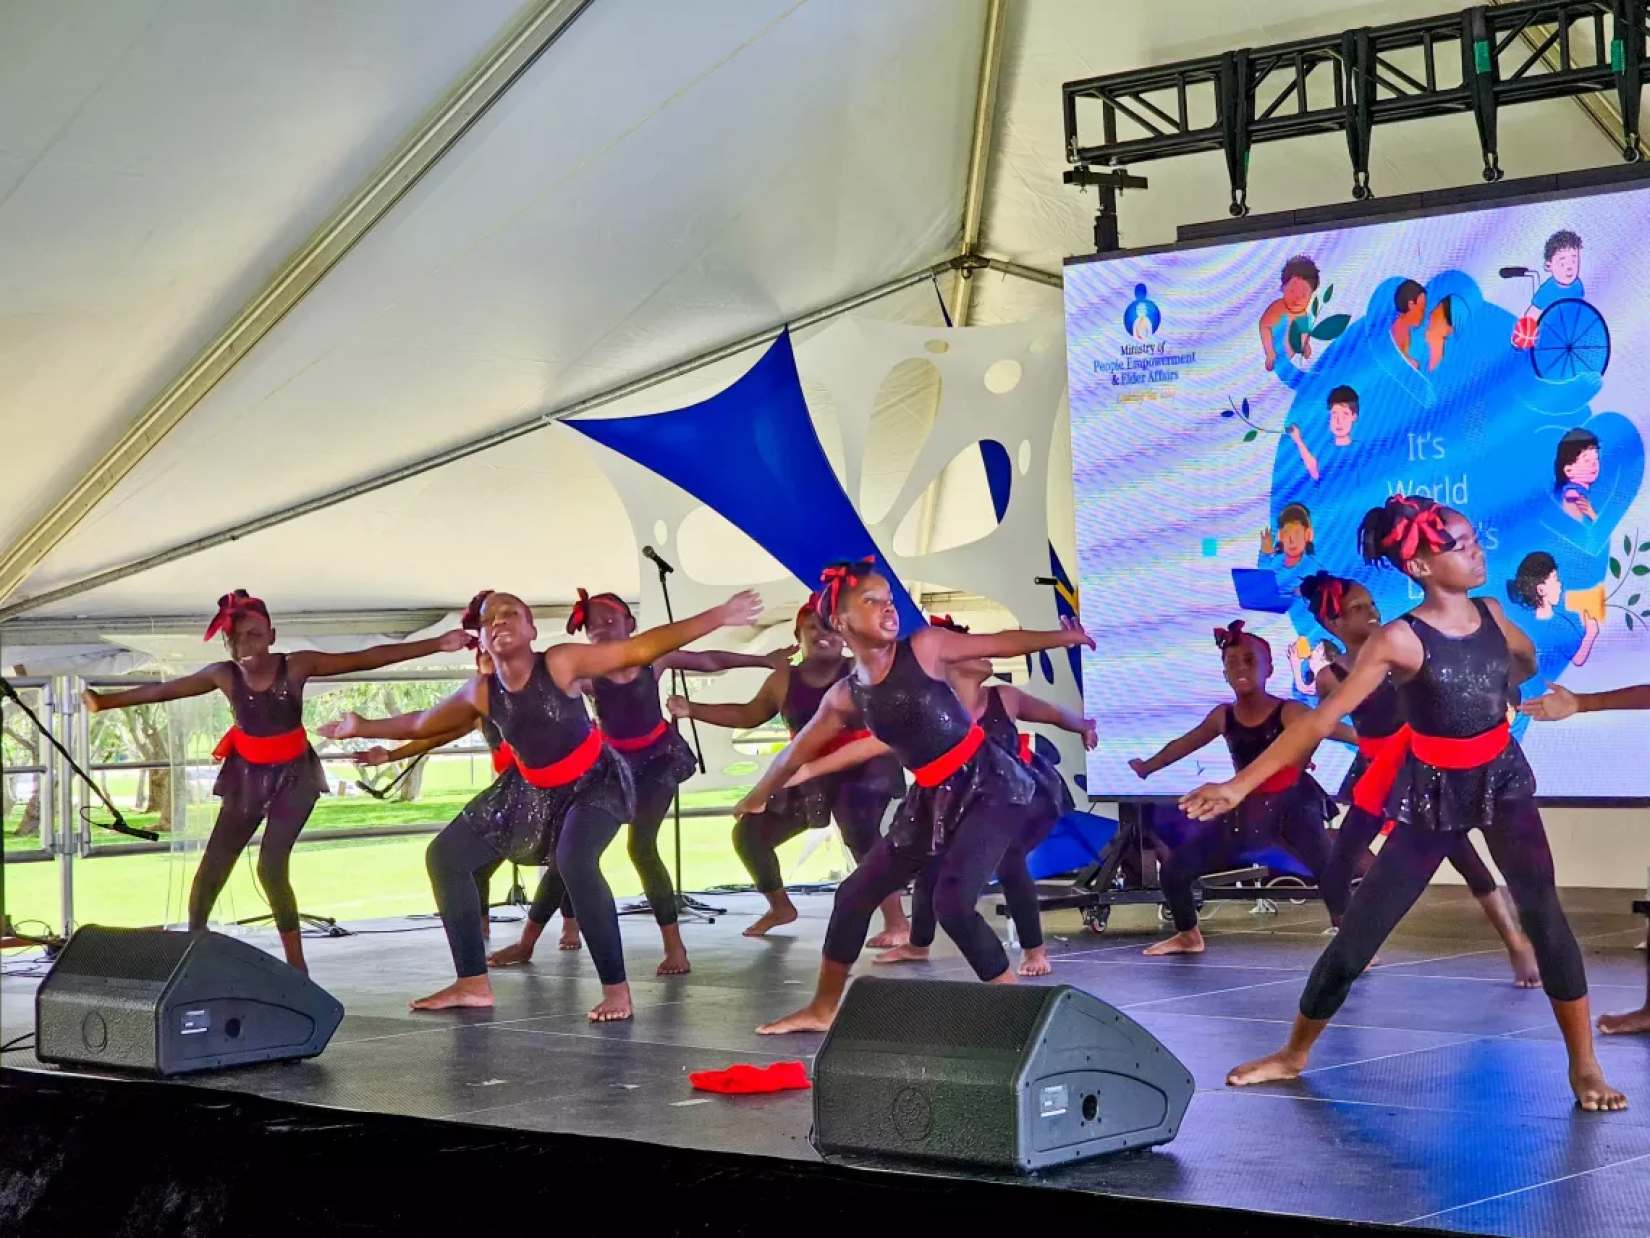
(1348, 612)
(1289, 807)
(1454, 659)
(971, 797)
(270, 776)
(564, 797)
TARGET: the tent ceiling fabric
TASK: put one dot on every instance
(663, 179)
(159, 159)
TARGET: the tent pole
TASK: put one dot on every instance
(464, 450)
(979, 157)
(511, 54)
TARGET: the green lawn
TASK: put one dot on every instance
(352, 879)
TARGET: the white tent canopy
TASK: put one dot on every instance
(663, 179)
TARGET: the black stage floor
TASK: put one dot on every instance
(1437, 1101)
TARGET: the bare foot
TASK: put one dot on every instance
(906, 953)
(471, 991)
(1036, 962)
(775, 917)
(890, 937)
(1625, 1024)
(1189, 942)
(676, 962)
(511, 956)
(1526, 975)
(614, 1006)
(809, 1019)
(569, 935)
(1372, 964)
(1592, 1093)
(1270, 1069)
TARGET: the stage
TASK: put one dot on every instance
(1438, 1100)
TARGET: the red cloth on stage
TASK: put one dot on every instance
(742, 1080)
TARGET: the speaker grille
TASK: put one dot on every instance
(127, 954)
(980, 1018)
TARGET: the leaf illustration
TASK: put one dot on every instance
(1640, 570)
(1332, 327)
(1643, 546)
(1629, 621)
(1615, 567)
(1246, 410)
(1228, 412)
(1634, 600)
(1328, 292)
(1249, 437)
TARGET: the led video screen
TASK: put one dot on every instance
(1236, 409)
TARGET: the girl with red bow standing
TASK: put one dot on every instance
(1348, 613)
(1291, 807)
(270, 773)
(660, 760)
(1453, 659)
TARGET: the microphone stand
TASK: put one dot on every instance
(685, 906)
(117, 826)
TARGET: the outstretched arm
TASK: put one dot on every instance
(1561, 703)
(826, 724)
(214, 678)
(570, 663)
(754, 712)
(1394, 648)
(459, 712)
(1342, 733)
(1022, 705)
(1203, 733)
(711, 662)
(407, 751)
(849, 756)
(938, 647)
(310, 664)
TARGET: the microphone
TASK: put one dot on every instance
(649, 553)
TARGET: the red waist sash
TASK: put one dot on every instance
(1025, 748)
(503, 758)
(943, 766)
(1281, 781)
(262, 749)
(635, 743)
(1438, 751)
(570, 768)
(842, 740)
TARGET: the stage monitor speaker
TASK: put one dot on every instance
(1007, 1076)
(170, 1003)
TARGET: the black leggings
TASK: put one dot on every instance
(1019, 892)
(1359, 829)
(653, 800)
(1216, 848)
(756, 838)
(1518, 845)
(459, 852)
(232, 831)
(976, 848)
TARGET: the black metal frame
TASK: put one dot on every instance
(1435, 66)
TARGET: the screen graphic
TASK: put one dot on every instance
(1237, 408)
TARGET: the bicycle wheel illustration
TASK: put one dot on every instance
(1572, 339)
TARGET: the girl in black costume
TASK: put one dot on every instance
(857, 798)
(564, 797)
(660, 760)
(971, 797)
(1291, 807)
(1348, 612)
(271, 775)
(1454, 659)
(1561, 703)
(996, 707)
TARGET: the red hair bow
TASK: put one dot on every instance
(1333, 594)
(810, 607)
(580, 614)
(947, 622)
(1414, 527)
(230, 605)
(834, 577)
(470, 620)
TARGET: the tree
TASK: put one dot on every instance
(21, 743)
(380, 699)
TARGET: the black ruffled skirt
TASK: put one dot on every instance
(1456, 800)
(928, 816)
(1259, 819)
(522, 822)
(248, 788)
(668, 759)
(1360, 765)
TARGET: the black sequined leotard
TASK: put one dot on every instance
(1259, 814)
(1379, 717)
(542, 725)
(1053, 796)
(814, 801)
(922, 719)
(631, 710)
(277, 710)
(1459, 692)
